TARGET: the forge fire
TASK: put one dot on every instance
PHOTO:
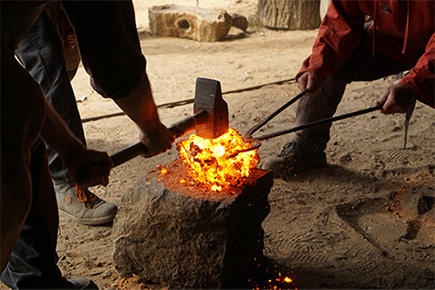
(211, 162)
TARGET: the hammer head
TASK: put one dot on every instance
(208, 97)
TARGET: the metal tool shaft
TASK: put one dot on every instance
(317, 123)
(255, 141)
(254, 129)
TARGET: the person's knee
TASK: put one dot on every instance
(339, 78)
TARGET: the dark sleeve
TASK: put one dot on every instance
(109, 44)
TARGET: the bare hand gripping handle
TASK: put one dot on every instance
(178, 129)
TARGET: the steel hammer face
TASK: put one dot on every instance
(208, 98)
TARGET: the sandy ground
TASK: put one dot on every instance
(365, 221)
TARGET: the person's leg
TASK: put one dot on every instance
(306, 151)
(29, 218)
(37, 242)
(22, 116)
(33, 262)
(361, 66)
(41, 53)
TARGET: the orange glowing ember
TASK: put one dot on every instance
(208, 160)
(288, 280)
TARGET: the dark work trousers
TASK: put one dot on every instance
(360, 66)
(41, 53)
(32, 264)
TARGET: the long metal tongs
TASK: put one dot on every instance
(256, 141)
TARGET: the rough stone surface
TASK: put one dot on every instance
(189, 22)
(195, 239)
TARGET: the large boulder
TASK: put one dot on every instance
(182, 236)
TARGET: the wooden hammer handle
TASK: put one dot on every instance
(178, 129)
(134, 150)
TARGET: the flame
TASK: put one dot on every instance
(208, 160)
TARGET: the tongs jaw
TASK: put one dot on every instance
(256, 142)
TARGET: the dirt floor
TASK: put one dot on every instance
(365, 221)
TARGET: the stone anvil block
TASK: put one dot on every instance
(189, 22)
(182, 236)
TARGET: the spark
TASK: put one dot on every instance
(288, 280)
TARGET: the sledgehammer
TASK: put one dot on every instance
(210, 120)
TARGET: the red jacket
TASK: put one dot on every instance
(400, 27)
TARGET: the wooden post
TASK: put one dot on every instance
(289, 14)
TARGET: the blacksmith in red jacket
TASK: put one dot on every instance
(400, 37)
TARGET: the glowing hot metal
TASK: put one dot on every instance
(213, 162)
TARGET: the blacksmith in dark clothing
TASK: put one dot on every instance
(111, 54)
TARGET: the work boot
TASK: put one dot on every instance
(78, 283)
(82, 206)
(293, 160)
